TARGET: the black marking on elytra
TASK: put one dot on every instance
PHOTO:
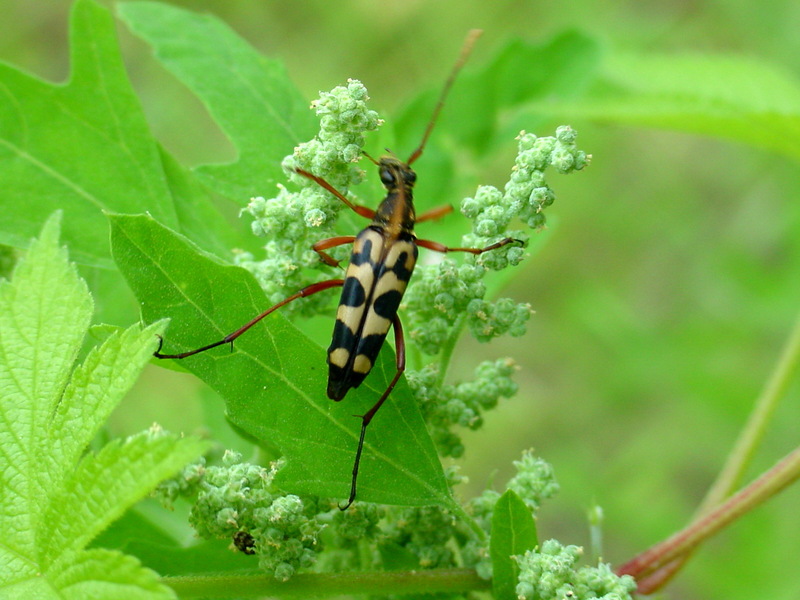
(363, 256)
(386, 304)
(399, 267)
(353, 293)
(342, 337)
(370, 345)
(340, 380)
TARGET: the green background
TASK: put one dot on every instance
(665, 290)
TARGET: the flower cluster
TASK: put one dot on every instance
(551, 572)
(444, 406)
(344, 118)
(292, 222)
(449, 294)
(526, 194)
(445, 294)
(358, 523)
(238, 501)
(431, 533)
(534, 482)
(425, 532)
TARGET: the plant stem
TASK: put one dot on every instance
(447, 349)
(738, 460)
(785, 472)
(458, 510)
(328, 584)
(742, 453)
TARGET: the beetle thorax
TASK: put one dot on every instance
(396, 212)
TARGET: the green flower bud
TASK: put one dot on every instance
(551, 573)
(283, 572)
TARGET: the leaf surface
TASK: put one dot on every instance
(513, 532)
(730, 97)
(274, 380)
(57, 497)
(84, 147)
(249, 96)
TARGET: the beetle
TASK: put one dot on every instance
(381, 263)
(244, 542)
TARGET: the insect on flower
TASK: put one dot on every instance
(381, 263)
(244, 542)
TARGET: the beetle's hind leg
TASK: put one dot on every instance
(366, 418)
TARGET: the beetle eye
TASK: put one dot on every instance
(410, 176)
(387, 177)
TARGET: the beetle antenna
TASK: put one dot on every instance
(466, 50)
(372, 160)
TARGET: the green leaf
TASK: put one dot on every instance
(249, 96)
(165, 541)
(115, 575)
(125, 472)
(85, 147)
(513, 532)
(198, 218)
(724, 96)
(43, 317)
(56, 497)
(273, 382)
(93, 392)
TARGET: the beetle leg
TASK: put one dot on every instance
(228, 339)
(322, 245)
(364, 211)
(400, 353)
(435, 213)
(437, 247)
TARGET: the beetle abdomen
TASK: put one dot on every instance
(375, 282)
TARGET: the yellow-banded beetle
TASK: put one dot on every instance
(381, 263)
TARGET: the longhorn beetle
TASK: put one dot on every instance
(381, 263)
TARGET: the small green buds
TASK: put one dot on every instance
(238, 498)
(344, 118)
(551, 572)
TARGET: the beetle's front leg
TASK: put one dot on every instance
(364, 211)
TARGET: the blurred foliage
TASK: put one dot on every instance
(662, 298)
